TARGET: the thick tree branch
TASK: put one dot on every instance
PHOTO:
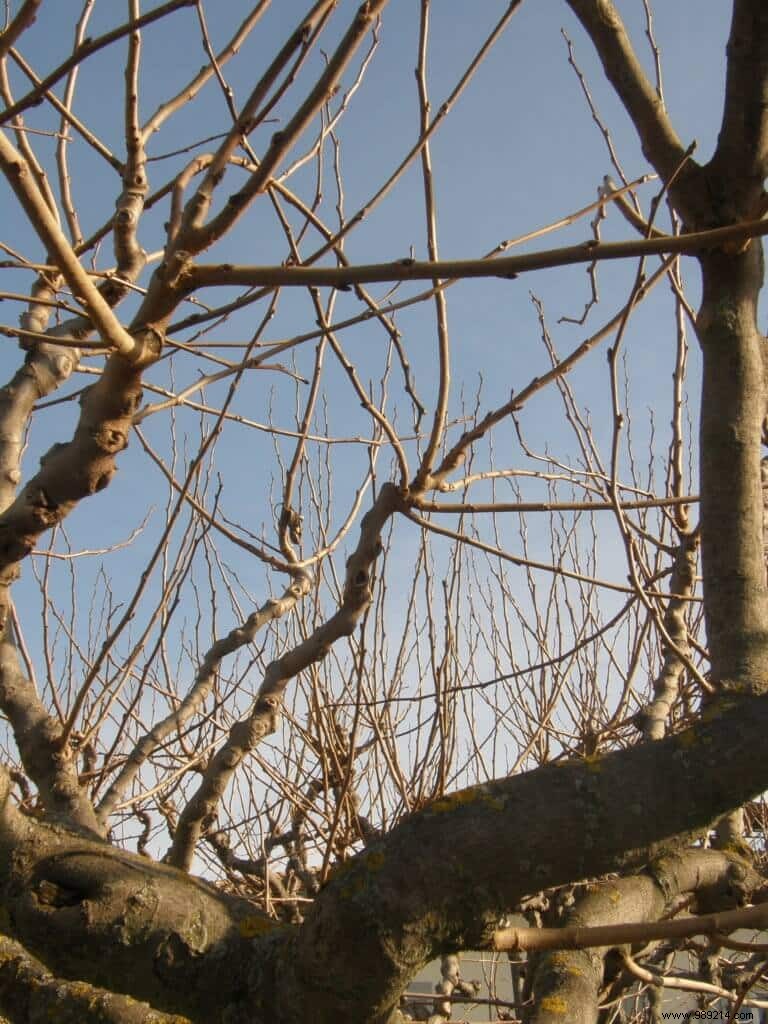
(70, 472)
(45, 368)
(732, 410)
(742, 148)
(145, 929)
(51, 767)
(618, 811)
(31, 993)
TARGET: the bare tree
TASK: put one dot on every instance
(371, 644)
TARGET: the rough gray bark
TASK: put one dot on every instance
(120, 921)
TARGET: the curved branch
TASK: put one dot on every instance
(38, 738)
(73, 471)
(248, 732)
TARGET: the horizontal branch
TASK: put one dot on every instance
(226, 274)
(655, 977)
(555, 569)
(549, 506)
(537, 939)
(465, 858)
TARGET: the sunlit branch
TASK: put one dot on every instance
(24, 143)
(441, 313)
(458, 507)
(391, 307)
(104, 321)
(25, 17)
(445, 107)
(530, 939)
(685, 984)
(211, 275)
(195, 236)
(248, 732)
(557, 570)
(193, 87)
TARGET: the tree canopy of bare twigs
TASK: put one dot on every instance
(382, 509)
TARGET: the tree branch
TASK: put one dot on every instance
(227, 274)
(658, 138)
(742, 147)
(507, 940)
(31, 993)
(72, 471)
(25, 17)
(143, 928)
(38, 735)
(197, 238)
(109, 328)
(248, 732)
(89, 47)
(244, 634)
(619, 811)
(569, 982)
